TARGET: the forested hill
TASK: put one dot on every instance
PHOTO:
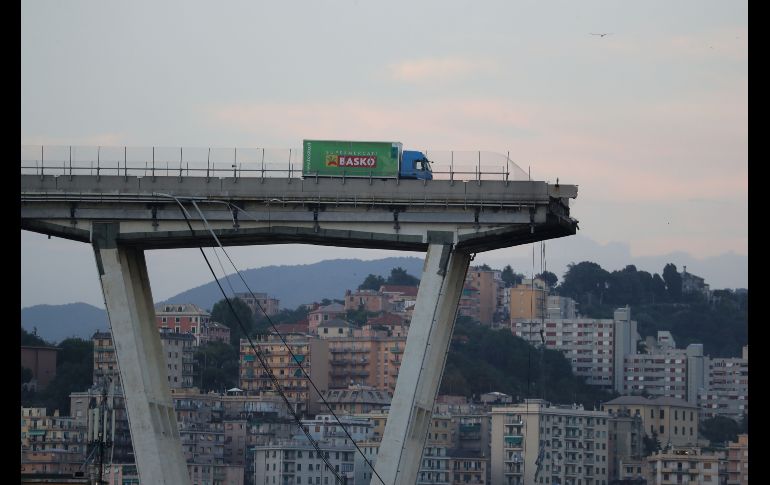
(483, 360)
(657, 303)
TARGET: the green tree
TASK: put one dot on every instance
(222, 313)
(399, 276)
(283, 316)
(31, 339)
(217, 366)
(74, 371)
(651, 444)
(673, 281)
(359, 316)
(658, 289)
(587, 282)
(720, 429)
(549, 278)
(372, 282)
(482, 359)
(509, 277)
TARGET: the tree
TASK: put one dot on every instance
(74, 371)
(549, 278)
(222, 313)
(651, 444)
(399, 276)
(32, 339)
(283, 316)
(372, 282)
(720, 429)
(673, 281)
(587, 283)
(217, 366)
(509, 277)
(359, 317)
(658, 288)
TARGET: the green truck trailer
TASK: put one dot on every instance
(375, 159)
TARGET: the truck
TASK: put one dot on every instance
(370, 159)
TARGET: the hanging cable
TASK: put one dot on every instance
(283, 340)
(275, 329)
(261, 358)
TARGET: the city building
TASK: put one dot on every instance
(527, 300)
(467, 467)
(727, 393)
(216, 332)
(558, 307)
(436, 466)
(297, 461)
(111, 398)
(471, 450)
(694, 284)
(625, 445)
(669, 420)
(536, 442)
(323, 313)
(372, 361)
(261, 304)
(178, 350)
(309, 352)
(182, 318)
(369, 300)
(738, 461)
(335, 328)
(682, 465)
(42, 362)
(486, 283)
(401, 298)
(51, 444)
(356, 399)
(595, 348)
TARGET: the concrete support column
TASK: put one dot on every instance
(151, 416)
(427, 344)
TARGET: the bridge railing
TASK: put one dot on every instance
(235, 162)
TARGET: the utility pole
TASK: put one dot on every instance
(101, 431)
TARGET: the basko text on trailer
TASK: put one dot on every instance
(329, 158)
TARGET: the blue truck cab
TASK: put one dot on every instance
(415, 165)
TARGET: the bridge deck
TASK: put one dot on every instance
(385, 214)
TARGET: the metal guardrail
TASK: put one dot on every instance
(234, 163)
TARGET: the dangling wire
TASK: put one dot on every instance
(261, 357)
(283, 340)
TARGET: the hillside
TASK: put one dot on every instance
(295, 285)
(54, 323)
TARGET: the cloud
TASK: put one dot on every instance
(430, 70)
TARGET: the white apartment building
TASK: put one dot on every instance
(297, 462)
(537, 442)
(728, 388)
(595, 347)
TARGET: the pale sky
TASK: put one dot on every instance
(650, 121)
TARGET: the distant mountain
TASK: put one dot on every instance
(55, 323)
(292, 285)
(298, 284)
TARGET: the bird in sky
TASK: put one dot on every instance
(602, 35)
